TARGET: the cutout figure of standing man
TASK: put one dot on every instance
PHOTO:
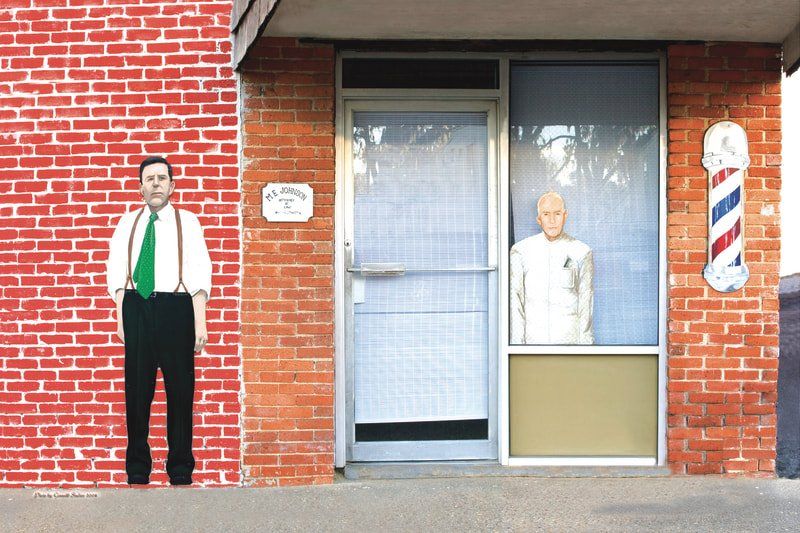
(551, 291)
(161, 317)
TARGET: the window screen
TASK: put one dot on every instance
(421, 200)
(589, 131)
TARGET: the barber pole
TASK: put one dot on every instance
(725, 158)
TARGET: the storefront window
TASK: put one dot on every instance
(584, 203)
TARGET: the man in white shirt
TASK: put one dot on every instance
(161, 317)
(551, 292)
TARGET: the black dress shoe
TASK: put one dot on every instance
(138, 479)
(180, 480)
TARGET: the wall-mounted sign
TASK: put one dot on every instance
(287, 202)
(725, 158)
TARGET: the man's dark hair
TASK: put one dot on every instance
(152, 160)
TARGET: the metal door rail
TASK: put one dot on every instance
(398, 269)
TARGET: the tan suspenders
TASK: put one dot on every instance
(180, 250)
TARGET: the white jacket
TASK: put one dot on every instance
(551, 292)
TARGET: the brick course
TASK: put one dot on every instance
(287, 286)
(85, 92)
(723, 348)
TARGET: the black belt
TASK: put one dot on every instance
(156, 294)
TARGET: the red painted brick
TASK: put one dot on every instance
(281, 143)
(722, 357)
(735, 91)
(69, 95)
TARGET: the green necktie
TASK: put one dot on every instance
(145, 272)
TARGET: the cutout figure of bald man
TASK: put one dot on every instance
(551, 291)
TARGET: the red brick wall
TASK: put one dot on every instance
(85, 92)
(287, 286)
(723, 348)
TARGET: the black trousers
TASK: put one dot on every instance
(159, 332)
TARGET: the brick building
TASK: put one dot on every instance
(377, 331)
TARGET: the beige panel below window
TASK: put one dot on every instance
(574, 405)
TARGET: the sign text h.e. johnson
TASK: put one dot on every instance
(286, 189)
(287, 202)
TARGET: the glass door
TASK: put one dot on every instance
(421, 280)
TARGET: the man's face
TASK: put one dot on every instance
(156, 186)
(552, 217)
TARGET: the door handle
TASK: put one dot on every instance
(380, 269)
(399, 269)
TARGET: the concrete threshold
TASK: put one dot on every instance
(454, 469)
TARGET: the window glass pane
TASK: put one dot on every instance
(421, 200)
(374, 73)
(589, 132)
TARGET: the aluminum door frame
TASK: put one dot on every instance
(499, 95)
(420, 450)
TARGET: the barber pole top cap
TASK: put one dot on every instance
(725, 143)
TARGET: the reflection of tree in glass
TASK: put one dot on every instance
(412, 175)
(598, 160)
(608, 175)
(595, 154)
(391, 145)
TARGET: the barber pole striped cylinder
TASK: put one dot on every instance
(725, 158)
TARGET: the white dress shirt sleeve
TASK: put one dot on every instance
(517, 297)
(586, 300)
(196, 261)
(117, 263)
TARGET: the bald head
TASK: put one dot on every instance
(551, 214)
(551, 195)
